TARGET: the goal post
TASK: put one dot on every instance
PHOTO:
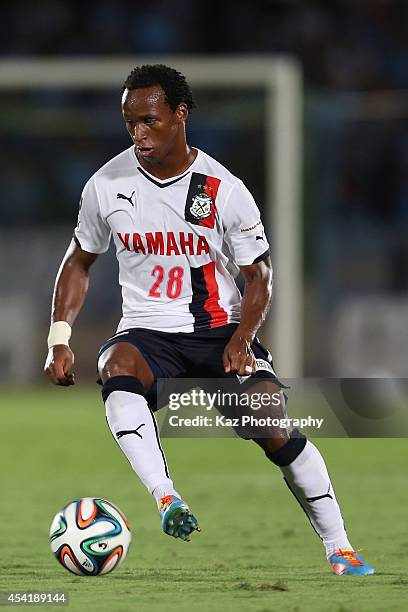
(281, 80)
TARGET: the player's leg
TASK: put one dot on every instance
(126, 378)
(305, 472)
(302, 466)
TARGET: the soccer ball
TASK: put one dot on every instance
(90, 536)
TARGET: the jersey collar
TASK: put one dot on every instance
(169, 181)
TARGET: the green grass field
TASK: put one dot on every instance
(257, 551)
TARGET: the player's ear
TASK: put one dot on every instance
(182, 111)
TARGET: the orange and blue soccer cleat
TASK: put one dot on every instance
(176, 518)
(349, 563)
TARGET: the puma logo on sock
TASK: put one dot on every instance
(313, 499)
(125, 432)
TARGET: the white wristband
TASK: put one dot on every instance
(60, 333)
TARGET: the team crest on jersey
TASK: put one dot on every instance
(201, 206)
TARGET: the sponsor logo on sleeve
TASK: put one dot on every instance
(251, 227)
(262, 364)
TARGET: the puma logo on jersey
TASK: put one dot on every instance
(120, 196)
(165, 243)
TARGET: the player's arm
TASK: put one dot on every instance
(71, 286)
(238, 356)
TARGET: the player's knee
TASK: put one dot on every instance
(125, 361)
(111, 367)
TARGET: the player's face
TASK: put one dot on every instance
(153, 126)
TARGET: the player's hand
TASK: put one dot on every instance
(238, 357)
(59, 364)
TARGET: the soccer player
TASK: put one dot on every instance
(183, 227)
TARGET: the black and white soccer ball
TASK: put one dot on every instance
(90, 536)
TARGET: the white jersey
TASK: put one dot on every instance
(178, 241)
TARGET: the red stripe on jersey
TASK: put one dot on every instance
(211, 304)
(210, 189)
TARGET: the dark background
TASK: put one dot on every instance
(354, 57)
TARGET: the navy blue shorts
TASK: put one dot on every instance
(188, 355)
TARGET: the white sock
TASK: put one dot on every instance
(134, 428)
(308, 478)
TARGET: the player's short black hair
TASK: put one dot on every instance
(173, 83)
